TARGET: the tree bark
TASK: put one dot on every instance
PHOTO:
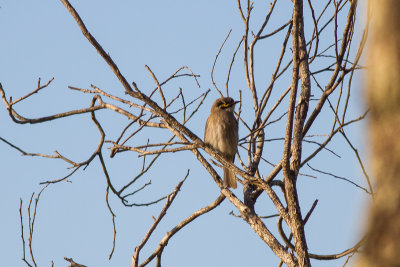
(290, 171)
(383, 96)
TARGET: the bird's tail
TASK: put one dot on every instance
(229, 179)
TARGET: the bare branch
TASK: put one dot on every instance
(300, 69)
(170, 199)
(113, 222)
(215, 61)
(22, 234)
(31, 226)
(258, 226)
(338, 177)
(38, 88)
(96, 45)
(317, 256)
(158, 86)
(241, 11)
(230, 66)
(22, 120)
(73, 263)
(163, 243)
(275, 31)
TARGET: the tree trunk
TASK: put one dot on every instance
(383, 95)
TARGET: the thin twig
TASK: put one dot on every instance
(39, 87)
(170, 199)
(215, 61)
(158, 86)
(163, 243)
(113, 222)
(339, 177)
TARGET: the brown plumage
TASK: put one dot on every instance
(221, 132)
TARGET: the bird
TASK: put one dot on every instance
(221, 133)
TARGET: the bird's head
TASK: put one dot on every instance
(224, 103)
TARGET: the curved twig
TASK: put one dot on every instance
(215, 61)
(170, 199)
(318, 256)
(164, 241)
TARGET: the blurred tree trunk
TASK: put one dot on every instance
(383, 95)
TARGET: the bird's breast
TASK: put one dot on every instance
(221, 133)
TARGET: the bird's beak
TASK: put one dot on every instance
(236, 102)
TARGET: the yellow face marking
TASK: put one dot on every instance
(225, 105)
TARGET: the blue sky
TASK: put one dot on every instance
(40, 39)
